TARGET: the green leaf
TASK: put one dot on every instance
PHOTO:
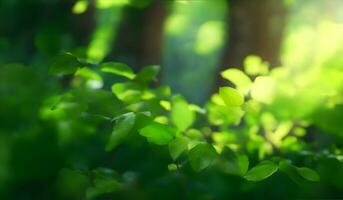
(157, 133)
(231, 96)
(172, 167)
(80, 7)
(147, 74)
(261, 171)
(142, 120)
(300, 175)
(201, 156)
(104, 181)
(220, 115)
(91, 77)
(237, 77)
(127, 92)
(64, 64)
(181, 115)
(102, 186)
(197, 109)
(118, 69)
(308, 174)
(232, 162)
(264, 89)
(291, 172)
(254, 65)
(243, 163)
(121, 130)
(178, 146)
(194, 134)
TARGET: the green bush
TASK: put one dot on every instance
(103, 131)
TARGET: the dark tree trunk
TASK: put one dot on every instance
(140, 36)
(255, 27)
(83, 26)
(152, 35)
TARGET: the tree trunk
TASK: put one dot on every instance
(140, 36)
(255, 27)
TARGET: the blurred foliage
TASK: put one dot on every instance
(77, 126)
(198, 50)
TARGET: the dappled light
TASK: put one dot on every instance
(177, 99)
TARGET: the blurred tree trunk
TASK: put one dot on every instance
(255, 27)
(140, 36)
(152, 35)
(83, 25)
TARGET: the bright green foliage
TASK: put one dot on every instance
(118, 69)
(263, 89)
(80, 6)
(91, 78)
(227, 132)
(201, 156)
(254, 65)
(181, 114)
(127, 92)
(237, 77)
(219, 113)
(169, 120)
(121, 130)
(210, 37)
(57, 133)
(231, 96)
(157, 133)
(178, 146)
(108, 20)
(261, 171)
(195, 134)
(64, 64)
